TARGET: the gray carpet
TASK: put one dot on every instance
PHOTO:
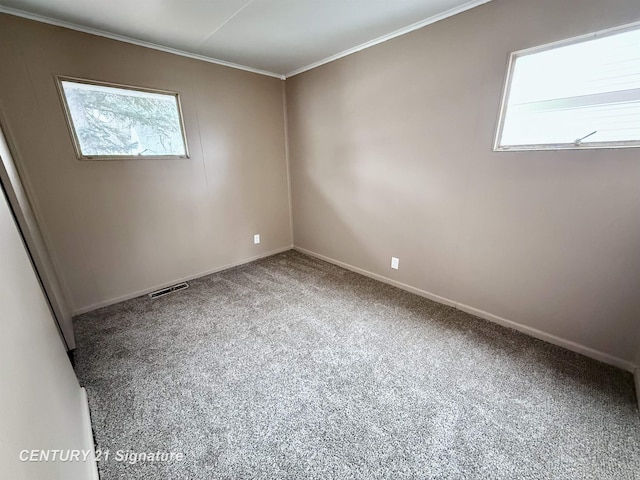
(292, 368)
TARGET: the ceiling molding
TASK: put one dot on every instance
(389, 36)
(140, 43)
(122, 38)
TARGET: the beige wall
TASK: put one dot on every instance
(115, 228)
(391, 154)
(41, 403)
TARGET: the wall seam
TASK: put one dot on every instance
(286, 157)
(195, 109)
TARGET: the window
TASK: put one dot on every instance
(112, 121)
(582, 93)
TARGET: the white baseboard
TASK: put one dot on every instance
(92, 466)
(568, 344)
(375, 276)
(139, 293)
(547, 337)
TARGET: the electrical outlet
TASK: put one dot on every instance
(256, 238)
(395, 263)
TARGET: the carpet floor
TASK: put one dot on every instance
(293, 368)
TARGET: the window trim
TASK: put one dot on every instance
(506, 91)
(74, 138)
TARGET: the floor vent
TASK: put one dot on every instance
(168, 290)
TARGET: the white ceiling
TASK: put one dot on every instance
(280, 37)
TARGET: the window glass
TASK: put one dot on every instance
(580, 94)
(114, 121)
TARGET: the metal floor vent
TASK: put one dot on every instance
(168, 290)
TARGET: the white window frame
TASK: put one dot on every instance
(74, 137)
(507, 90)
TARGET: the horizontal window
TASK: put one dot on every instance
(112, 121)
(581, 93)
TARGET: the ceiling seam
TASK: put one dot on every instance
(224, 23)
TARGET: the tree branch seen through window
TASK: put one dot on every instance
(119, 122)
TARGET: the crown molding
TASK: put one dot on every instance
(122, 38)
(140, 43)
(389, 36)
